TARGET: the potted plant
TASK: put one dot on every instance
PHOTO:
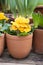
(38, 33)
(3, 27)
(19, 37)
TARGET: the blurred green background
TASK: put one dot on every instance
(4, 4)
(40, 2)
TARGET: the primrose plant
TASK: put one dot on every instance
(37, 19)
(3, 23)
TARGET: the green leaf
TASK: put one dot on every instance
(5, 27)
(0, 24)
(41, 20)
(11, 32)
(28, 7)
(22, 34)
(24, 7)
(0, 34)
(12, 5)
(19, 4)
(36, 19)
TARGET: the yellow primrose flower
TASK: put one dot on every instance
(22, 20)
(6, 18)
(21, 29)
(25, 29)
(1, 13)
(13, 27)
(21, 24)
(2, 16)
(15, 24)
(28, 29)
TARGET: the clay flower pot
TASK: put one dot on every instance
(19, 47)
(39, 9)
(1, 44)
(38, 41)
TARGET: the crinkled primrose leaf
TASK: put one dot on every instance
(37, 19)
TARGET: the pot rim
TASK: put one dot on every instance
(39, 29)
(40, 6)
(2, 35)
(19, 37)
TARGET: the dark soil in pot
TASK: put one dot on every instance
(39, 27)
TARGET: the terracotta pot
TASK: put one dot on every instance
(1, 44)
(38, 41)
(39, 9)
(19, 47)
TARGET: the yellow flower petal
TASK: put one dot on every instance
(1, 13)
(6, 18)
(15, 24)
(23, 25)
(28, 29)
(13, 28)
(21, 20)
(21, 29)
(3, 17)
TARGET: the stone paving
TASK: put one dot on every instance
(12, 64)
(32, 59)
